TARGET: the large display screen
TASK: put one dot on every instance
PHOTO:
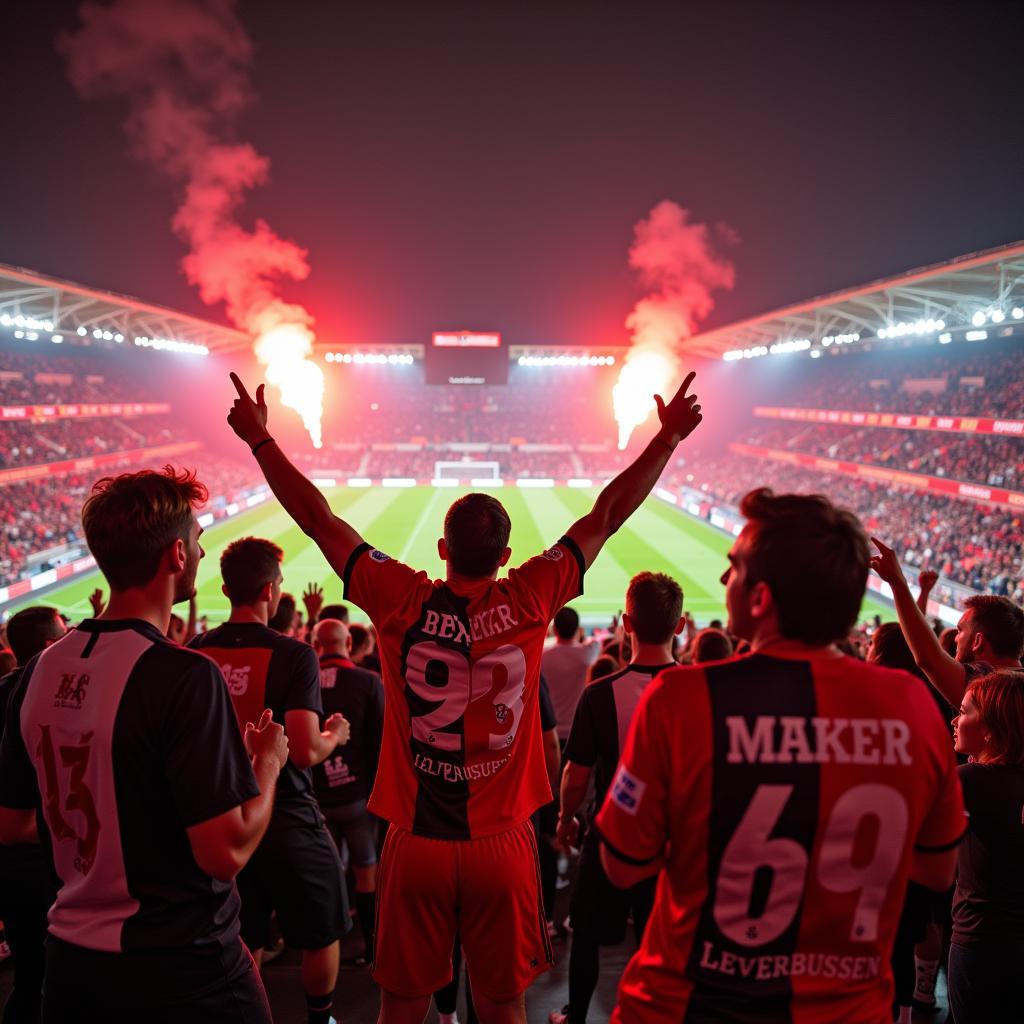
(466, 357)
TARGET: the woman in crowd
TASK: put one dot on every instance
(986, 958)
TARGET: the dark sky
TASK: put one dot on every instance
(482, 165)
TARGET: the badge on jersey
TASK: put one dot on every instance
(627, 790)
(554, 554)
(379, 556)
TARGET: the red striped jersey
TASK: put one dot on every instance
(462, 755)
(789, 791)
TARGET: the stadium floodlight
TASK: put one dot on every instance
(31, 336)
(978, 319)
(976, 335)
(815, 353)
(329, 357)
(998, 316)
(945, 339)
(97, 334)
(57, 339)
(1017, 313)
(6, 320)
(119, 338)
(19, 334)
(781, 348)
(904, 328)
(81, 332)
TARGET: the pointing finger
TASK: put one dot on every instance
(239, 386)
(260, 401)
(689, 380)
(881, 547)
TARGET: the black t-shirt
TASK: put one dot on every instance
(127, 740)
(264, 669)
(601, 723)
(989, 902)
(347, 774)
(548, 718)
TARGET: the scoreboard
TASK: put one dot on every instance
(466, 357)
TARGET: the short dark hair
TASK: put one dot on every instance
(129, 521)
(603, 666)
(360, 637)
(814, 558)
(284, 618)
(1000, 621)
(891, 649)
(654, 603)
(334, 611)
(247, 565)
(29, 631)
(567, 623)
(476, 531)
(711, 645)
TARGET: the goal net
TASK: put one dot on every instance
(467, 469)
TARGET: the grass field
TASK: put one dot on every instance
(406, 523)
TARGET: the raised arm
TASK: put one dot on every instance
(946, 674)
(624, 495)
(300, 498)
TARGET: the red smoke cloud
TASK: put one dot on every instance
(183, 65)
(677, 261)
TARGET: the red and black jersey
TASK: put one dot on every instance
(462, 754)
(789, 793)
(265, 669)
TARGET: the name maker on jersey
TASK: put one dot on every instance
(481, 626)
(789, 739)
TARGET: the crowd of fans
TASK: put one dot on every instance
(29, 378)
(977, 458)
(980, 546)
(964, 381)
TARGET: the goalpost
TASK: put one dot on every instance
(477, 472)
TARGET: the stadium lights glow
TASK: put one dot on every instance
(19, 334)
(911, 327)
(745, 353)
(978, 319)
(838, 339)
(57, 338)
(81, 332)
(945, 339)
(998, 316)
(1017, 313)
(28, 323)
(169, 345)
(976, 335)
(565, 360)
(371, 358)
(32, 335)
(816, 353)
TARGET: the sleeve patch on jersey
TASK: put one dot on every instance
(554, 554)
(627, 790)
(379, 556)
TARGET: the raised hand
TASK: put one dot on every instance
(313, 599)
(248, 419)
(886, 564)
(97, 602)
(926, 580)
(682, 415)
(268, 739)
(338, 725)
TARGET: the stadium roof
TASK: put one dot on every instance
(74, 308)
(953, 296)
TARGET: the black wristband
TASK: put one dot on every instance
(259, 444)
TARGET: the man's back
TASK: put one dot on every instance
(462, 754)
(264, 669)
(129, 740)
(565, 668)
(348, 772)
(792, 793)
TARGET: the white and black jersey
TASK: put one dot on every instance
(126, 740)
(602, 719)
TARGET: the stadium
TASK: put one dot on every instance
(900, 399)
(511, 513)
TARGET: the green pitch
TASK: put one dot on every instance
(406, 522)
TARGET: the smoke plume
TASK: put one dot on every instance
(183, 66)
(678, 264)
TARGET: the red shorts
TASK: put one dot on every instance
(485, 890)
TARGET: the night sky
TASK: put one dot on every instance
(482, 165)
